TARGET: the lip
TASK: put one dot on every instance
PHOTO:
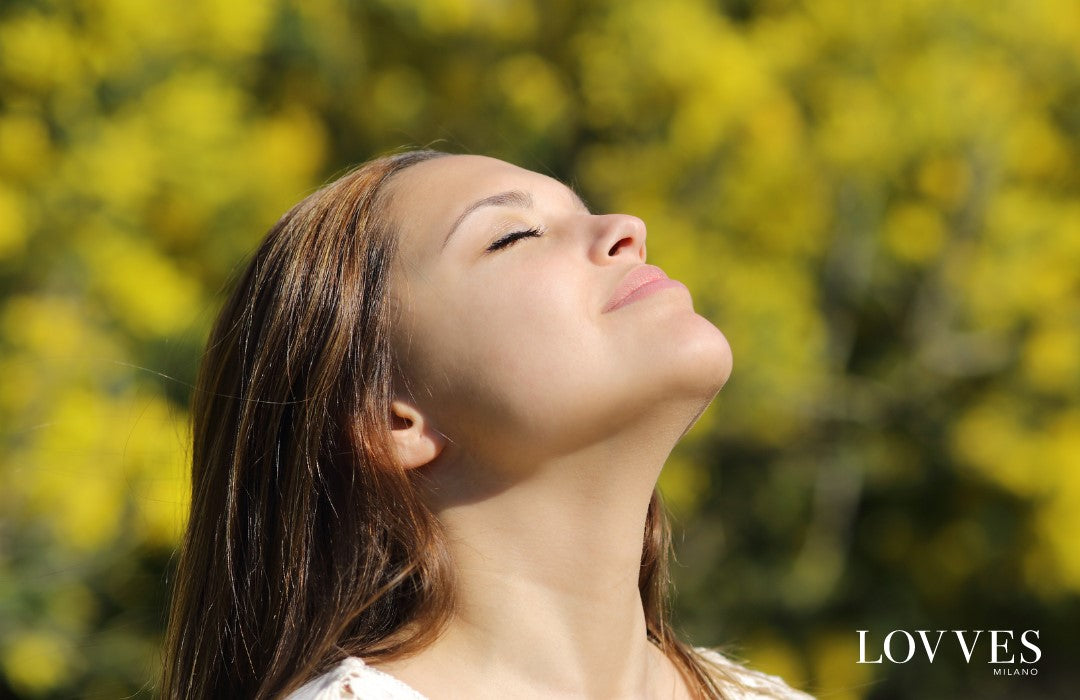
(640, 282)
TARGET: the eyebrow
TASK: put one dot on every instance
(510, 198)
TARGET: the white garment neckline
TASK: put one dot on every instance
(360, 666)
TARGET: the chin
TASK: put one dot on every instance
(702, 359)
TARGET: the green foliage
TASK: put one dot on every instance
(877, 202)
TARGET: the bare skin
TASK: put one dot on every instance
(540, 418)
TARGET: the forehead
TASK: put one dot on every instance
(426, 198)
(455, 173)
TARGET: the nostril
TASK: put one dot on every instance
(619, 244)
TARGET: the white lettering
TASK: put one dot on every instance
(910, 643)
(930, 653)
(1029, 645)
(963, 643)
(862, 649)
(1004, 646)
(1001, 646)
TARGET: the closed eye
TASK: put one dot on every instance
(511, 238)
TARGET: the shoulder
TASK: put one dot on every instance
(747, 683)
(352, 679)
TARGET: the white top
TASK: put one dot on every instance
(352, 679)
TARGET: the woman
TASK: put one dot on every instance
(427, 432)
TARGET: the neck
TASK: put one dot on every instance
(548, 565)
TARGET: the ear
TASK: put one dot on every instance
(412, 436)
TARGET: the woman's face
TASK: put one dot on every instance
(504, 330)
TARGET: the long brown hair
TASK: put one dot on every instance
(304, 543)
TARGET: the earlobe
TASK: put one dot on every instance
(414, 439)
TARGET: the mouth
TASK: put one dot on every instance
(640, 282)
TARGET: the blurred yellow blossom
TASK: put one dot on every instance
(840, 679)
(534, 91)
(13, 222)
(36, 661)
(142, 287)
(914, 232)
(25, 146)
(37, 52)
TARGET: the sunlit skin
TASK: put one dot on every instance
(541, 421)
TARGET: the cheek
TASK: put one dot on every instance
(510, 351)
(529, 333)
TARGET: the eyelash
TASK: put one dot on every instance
(512, 238)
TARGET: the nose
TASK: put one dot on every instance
(619, 237)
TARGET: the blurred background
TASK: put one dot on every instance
(879, 203)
